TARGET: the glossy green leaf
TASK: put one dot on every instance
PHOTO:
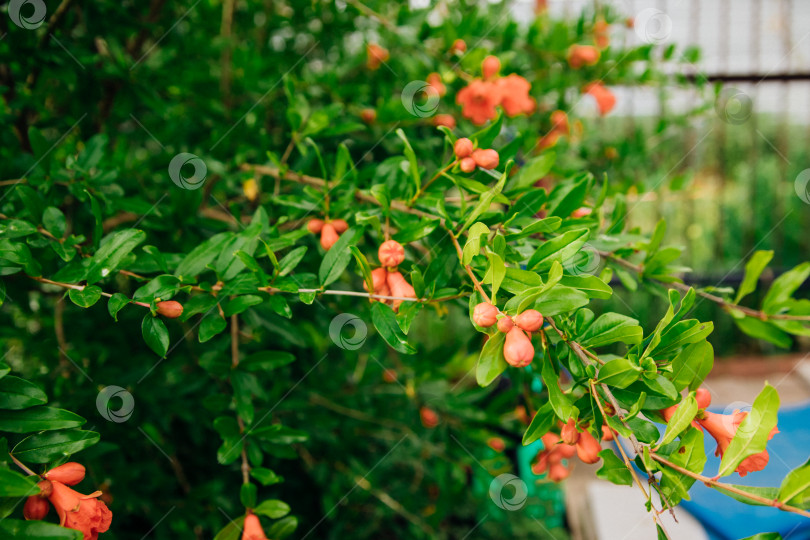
(491, 362)
(155, 334)
(752, 434)
(38, 419)
(52, 445)
(386, 323)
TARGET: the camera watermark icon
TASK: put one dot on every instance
(802, 186)
(122, 413)
(502, 486)
(180, 161)
(733, 106)
(420, 99)
(28, 14)
(340, 337)
(585, 261)
(653, 26)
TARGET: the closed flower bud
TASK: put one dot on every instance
(391, 253)
(490, 66)
(35, 508)
(463, 147)
(569, 433)
(429, 417)
(328, 236)
(530, 320)
(252, 529)
(368, 116)
(459, 46)
(703, 397)
(315, 225)
(445, 120)
(485, 314)
(71, 473)
(505, 324)
(581, 212)
(607, 433)
(169, 309)
(467, 165)
(497, 444)
(399, 287)
(518, 349)
(486, 158)
(588, 448)
(558, 472)
(379, 278)
(340, 225)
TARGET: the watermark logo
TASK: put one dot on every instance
(653, 26)
(733, 106)
(585, 261)
(420, 99)
(351, 339)
(802, 186)
(508, 492)
(182, 161)
(28, 14)
(123, 412)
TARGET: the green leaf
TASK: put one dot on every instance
(784, 286)
(795, 488)
(689, 454)
(38, 419)
(247, 495)
(413, 167)
(752, 435)
(14, 484)
(542, 422)
(610, 328)
(770, 493)
(16, 393)
(116, 303)
(265, 477)
(155, 334)
(266, 361)
(753, 269)
(195, 262)
(473, 245)
(14, 529)
(112, 251)
(593, 286)
(288, 263)
(52, 445)
(619, 372)
(613, 469)
(211, 325)
(231, 531)
(491, 362)
(765, 536)
(54, 221)
(282, 528)
(386, 323)
(273, 508)
(239, 304)
(495, 273)
(532, 171)
(365, 267)
(764, 330)
(560, 249)
(560, 402)
(85, 297)
(692, 365)
(338, 257)
(681, 419)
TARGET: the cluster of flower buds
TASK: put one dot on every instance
(84, 513)
(470, 157)
(517, 349)
(387, 280)
(330, 230)
(570, 441)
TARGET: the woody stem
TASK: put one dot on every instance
(234, 363)
(427, 184)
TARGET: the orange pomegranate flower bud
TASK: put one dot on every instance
(71, 473)
(588, 447)
(368, 115)
(429, 417)
(375, 56)
(490, 66)
(607, 433)
(496, 443)
(463, 147)
(485, 314)
(605, 100)
(703, 397)
(36, 507)
(518, 349)
(328, 236)
(390, 375)
(378, 281)
(169, 309)
(582, 55)
(252, 529)
(458, 46)
(435, 80)
(467, 165)
(315, 225)
(723, 427)
(340, 225)
(505, 324)
(530, 320)
(558, 472)
(601, 33)
(486, 158)
(581, 212)
(399, 287)
(391, 253)
(541, 463)
(569, 433)
(445, 120)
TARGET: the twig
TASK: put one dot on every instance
(235, 362)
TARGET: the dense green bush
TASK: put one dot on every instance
(165, 153)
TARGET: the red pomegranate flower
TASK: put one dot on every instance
(605, 99)
(478, 101)
(515, 98)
